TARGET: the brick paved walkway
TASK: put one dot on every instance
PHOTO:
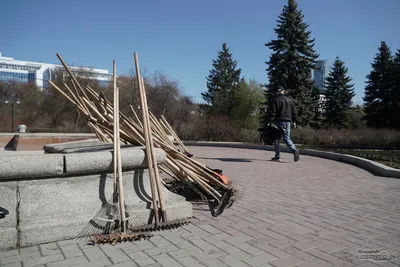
(314, 212)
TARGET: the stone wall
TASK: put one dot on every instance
(52, 197)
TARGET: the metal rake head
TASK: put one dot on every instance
(161, 226)
(118, 238)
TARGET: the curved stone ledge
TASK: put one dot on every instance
(369, 165)
(30, 166)
(100, 161)
(87, 145)
(14, 166)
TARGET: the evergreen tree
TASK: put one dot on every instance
(339, 93)
(377, 102)
(395, 95)
(292, 60)
(222, 81)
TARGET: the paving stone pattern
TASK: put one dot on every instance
(315, 212)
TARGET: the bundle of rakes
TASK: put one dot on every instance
(183, 171)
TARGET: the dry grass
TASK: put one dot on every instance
(221, 129)
(389, 158)
(357, 137)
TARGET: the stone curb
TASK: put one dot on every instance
(30, 166)
(14, 167)
(369, 165)
(102, 161)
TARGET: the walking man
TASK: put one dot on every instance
(283, 113)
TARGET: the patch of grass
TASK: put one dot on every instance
(389, 158)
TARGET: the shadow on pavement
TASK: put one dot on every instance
(231, 159)
(245, 160)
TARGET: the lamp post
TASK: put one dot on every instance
(13, 101)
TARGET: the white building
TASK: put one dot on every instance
(40, 73)
(321, 104)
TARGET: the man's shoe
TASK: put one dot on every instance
(276, 159)
(296, 154)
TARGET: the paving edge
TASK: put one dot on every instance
(366, 164)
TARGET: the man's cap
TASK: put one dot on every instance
(280, 88)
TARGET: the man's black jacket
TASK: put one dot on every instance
(283, 109)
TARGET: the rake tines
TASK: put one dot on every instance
(115, 238)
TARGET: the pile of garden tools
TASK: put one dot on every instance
(110, 125)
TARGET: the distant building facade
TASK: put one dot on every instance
(320, 74)
(39, 73)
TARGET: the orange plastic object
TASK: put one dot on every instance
(223, 177)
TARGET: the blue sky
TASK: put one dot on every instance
(181, 38)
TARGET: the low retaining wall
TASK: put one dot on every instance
(369, 165)
(52, 197)
(32, 141)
